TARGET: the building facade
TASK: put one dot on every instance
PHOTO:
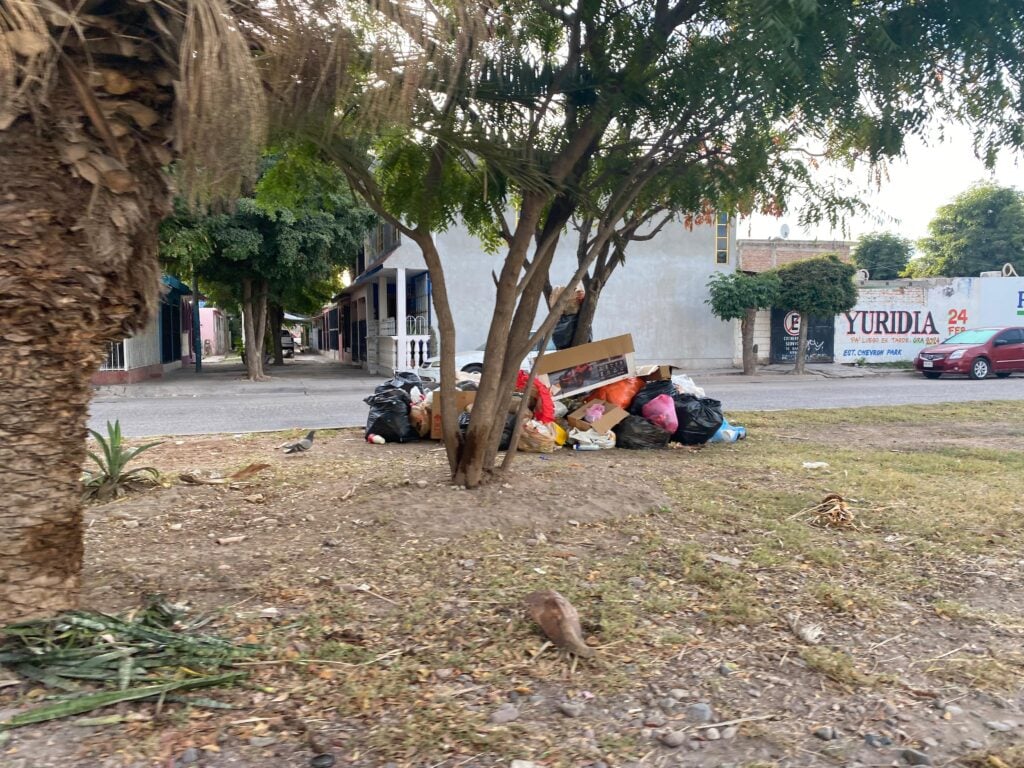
(384, 320)
(165, 343)
(762, 255)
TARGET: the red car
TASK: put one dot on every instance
(978, 353)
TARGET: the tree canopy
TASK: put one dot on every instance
(819, 286)
(883, 254)
(980, 230)
(283, 247)
(733, 294)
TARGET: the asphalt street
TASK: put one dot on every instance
(312, 393)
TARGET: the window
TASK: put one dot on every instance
(722, 239)
(1012, 336)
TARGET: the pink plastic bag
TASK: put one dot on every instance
(661, 411)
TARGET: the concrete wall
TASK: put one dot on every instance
(762, 338)
(213, 327)
(762, 255)
(657, 296)
(894, 319)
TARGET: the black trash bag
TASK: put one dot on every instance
(650, 391)
(403, 380)
(389, 416)
(637, 433)
(699, 419)
(506, 433)
(564, 330)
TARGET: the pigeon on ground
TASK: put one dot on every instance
(302, 445)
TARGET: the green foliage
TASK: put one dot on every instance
(883, 254)
(299, 230)
(113, 477)
(819, 286)
(981, 230)
(732, 294)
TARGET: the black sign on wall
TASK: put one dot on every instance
(786, 337)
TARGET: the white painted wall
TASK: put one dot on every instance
(933, 309)
(657, 296)
(143, 348)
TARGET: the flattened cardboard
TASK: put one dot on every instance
(462, 399)
(580, 369)
(612, 416)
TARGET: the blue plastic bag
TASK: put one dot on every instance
(728, 433)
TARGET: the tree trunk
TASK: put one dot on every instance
(514, 315)
(446, 329)
(801, 352)
(253, 343)
(276, 322)
(78, 267)
(588, 310)
(747, 337)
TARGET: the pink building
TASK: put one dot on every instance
(213, 329)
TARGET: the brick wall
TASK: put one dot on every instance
(762, 255)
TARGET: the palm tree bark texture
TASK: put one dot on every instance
(96, 100)
(66, 288)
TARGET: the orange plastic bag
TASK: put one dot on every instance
(621, 393)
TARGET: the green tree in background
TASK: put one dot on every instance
(980, 231)
(283, 247)
(883, 254)
(738, 296)
(819, 286)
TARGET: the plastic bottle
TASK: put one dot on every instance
(375, 439)
(585, 447)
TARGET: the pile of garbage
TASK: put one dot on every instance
(646, 411)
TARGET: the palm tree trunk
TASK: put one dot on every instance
(42, 452)
(65, 289)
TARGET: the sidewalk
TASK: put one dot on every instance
(811, 371)
(308, 373)
(303, 374)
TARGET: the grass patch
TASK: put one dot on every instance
(836, 666)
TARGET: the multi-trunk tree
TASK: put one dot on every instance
(530, 111)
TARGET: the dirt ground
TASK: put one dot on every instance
(389, 603)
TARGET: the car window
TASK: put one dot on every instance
(1010, 336)
(979, 336)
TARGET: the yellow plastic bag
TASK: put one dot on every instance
(560, 434)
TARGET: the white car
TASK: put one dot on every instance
(471, 362)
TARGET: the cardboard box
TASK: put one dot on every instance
(580, 369)
(462, 399)
(612, 416)
(654, 372)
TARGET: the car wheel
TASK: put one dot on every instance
(931, 374)
(473, 368)
(1003, 374)
(980, 368)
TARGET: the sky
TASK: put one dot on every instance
(928, 177)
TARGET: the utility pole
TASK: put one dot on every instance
(197, 340)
